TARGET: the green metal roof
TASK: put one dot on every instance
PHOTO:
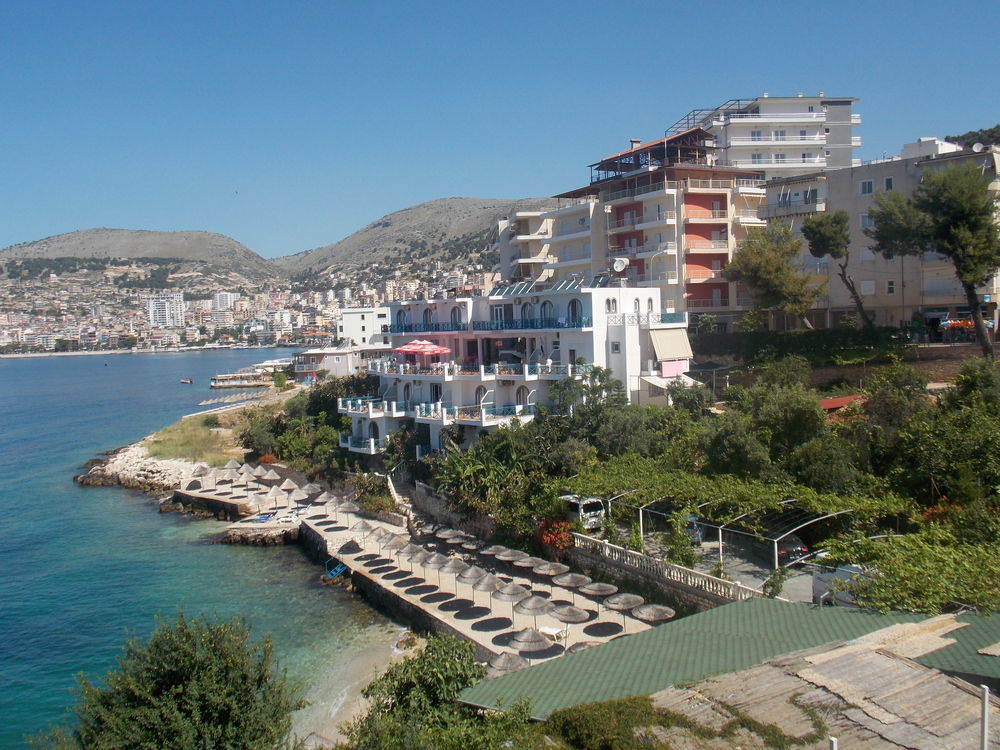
(724, 639)
(963, 655)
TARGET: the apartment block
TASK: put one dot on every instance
(781, 135)
(491, 360)
(165, 310)
(657, 215)
(896, 291)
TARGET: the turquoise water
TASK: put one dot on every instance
(85, 567)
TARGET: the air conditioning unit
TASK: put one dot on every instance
(505, 382)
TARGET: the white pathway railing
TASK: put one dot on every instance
(662, 568)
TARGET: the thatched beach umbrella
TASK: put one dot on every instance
(534, 606)
(378, 534)
(259, 471)
(488, 583)
(245, 467)
(570, 615)
(288, 485)
(406, 551)
(271, 476)
(394, 542)
(529, 641)
(472, 544)
(470, 575)
(598, 590)
(493, 550)
(232, 464)
(436, 562)
(364, 527)
(581, 646)
(550, 570)
(274, 494)
(529, 562)
(445, 532)
(298, 497)
(312, 489)
(622, 603)
(455, 567)
(505, 663)
(459, 538)
(201, 470)
(653, 613)
(513, 593)
(511, 555)
(347, 507)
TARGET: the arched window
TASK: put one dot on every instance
(607, 305)
(649, 305)
(373, 430)
(548, 311)
(427, 316)
(401, 319)
(456, 315)
(521, 397)
(526, 311)
(406, 392)
(574, 311)
(636, 306)
(480, 394)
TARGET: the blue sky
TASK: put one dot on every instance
(288, 126)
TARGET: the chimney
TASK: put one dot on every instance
(633, 142)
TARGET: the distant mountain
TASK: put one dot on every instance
(198, 253)
(449, 229)
(987, 136)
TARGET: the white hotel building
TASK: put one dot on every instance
(506, 350)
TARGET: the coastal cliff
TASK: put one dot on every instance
(133, 467)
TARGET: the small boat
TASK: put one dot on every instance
(187, 381)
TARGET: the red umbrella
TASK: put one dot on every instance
(422, 347)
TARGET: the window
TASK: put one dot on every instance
(826, 130)
(636, 306)
(381, 315)
(802, 134)
(867, 287)
(888, 184)
(616, 347)
(779, 135)
(812, 108)
(756, 158)
(779, 158)
(362, 329)
(756, 135)
(827, 153)
(807, 157)
(867, 187)
(866, 221)
(890, 286)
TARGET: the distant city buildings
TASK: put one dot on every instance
(165, 310)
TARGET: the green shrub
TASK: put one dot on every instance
(602, 726)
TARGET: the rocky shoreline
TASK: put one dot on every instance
(132, 467)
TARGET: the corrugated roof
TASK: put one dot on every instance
(724, 639)
(963, 656)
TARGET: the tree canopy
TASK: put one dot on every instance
(952, 212)
(830, 234)
(194, 683)
(765, 263)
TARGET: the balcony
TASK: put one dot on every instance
(699, 275)
(568, 259)
(649, 320)
(796, 207)
(750, 187)
(746, 216)
(442, 371)
(368, 446)
(785, 140)
(708, 185)
(486, 415)
(530, 259)
(531, 324)
(643, 251)
(432, 413)
(632, 193)
(427, 327)
(774, 162)
(625, 223)
(697, 214)
(747, 117)
(699, 245)
(663, 217)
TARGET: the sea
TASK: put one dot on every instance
(82, 569)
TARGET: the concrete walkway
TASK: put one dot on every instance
(473, 615)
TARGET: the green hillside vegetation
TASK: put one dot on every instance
(986, 136)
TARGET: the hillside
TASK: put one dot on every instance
(986, 136)
(444, 230)
(196, 258)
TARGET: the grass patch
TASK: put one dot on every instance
(191, 440)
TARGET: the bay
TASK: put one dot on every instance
(85, 567)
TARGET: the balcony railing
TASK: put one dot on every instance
(692, 212)
(696, 304)
(658, 217)
(709, 184)
(427, 327)
(485, 414)
(627, 221)
(531, 324)
(773, 161)
(785, 139)
(656, 247)
(647, 319)
(700, 244)
(702, 274)
(371, 446)
(642, 190)
(792, 206)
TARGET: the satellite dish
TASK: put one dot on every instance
(619, 265)
(978, 147)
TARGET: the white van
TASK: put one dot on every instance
(589, 510)
(828, 585)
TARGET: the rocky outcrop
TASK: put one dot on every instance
(132, 466)
(261, 536)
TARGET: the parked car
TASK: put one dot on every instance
(828, 583)
(588, 510)
(791, 549)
